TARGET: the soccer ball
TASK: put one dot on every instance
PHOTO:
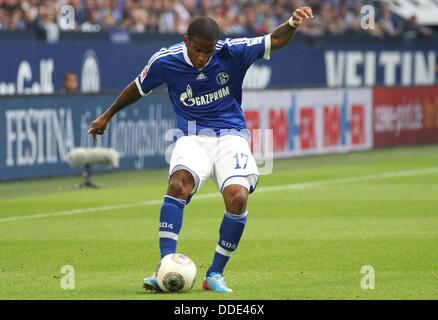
(176, 273)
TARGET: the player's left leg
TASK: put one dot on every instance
(231, 230)
(236, 174)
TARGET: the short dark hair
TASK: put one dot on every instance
(203, 27)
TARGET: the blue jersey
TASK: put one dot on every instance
(211, 96)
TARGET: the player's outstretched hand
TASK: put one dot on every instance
(300, 15)
(98, 127)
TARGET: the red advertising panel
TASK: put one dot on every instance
(307, 128)
(252, 119)
(310, 121)
(358, 133)
(278, 123)
(405, 116)
(332, 128)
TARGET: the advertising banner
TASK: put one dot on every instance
(38, 68)
(314, 121)
(37, 133)
(405, 116)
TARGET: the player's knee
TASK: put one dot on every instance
(236, 201)
(178, 189)
(180, 185)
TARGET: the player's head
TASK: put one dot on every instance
(200, 40)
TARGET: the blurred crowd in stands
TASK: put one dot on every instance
(235, 17)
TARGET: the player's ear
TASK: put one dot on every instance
(186, 39)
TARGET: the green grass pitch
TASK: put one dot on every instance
(308, 240)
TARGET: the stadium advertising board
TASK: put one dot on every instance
(37, 133)
(308, 122)
(405, 116)
(37, 67)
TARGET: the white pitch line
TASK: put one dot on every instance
(377, 176)
(294, 186)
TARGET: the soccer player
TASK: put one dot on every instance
(204, 77)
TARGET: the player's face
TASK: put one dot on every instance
(199, 50)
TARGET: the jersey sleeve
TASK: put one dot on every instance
(150, 77)
(248, 50)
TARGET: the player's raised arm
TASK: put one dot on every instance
(127, 97)
(284, 33)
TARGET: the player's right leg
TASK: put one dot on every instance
(181, 184)
(190, 166)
